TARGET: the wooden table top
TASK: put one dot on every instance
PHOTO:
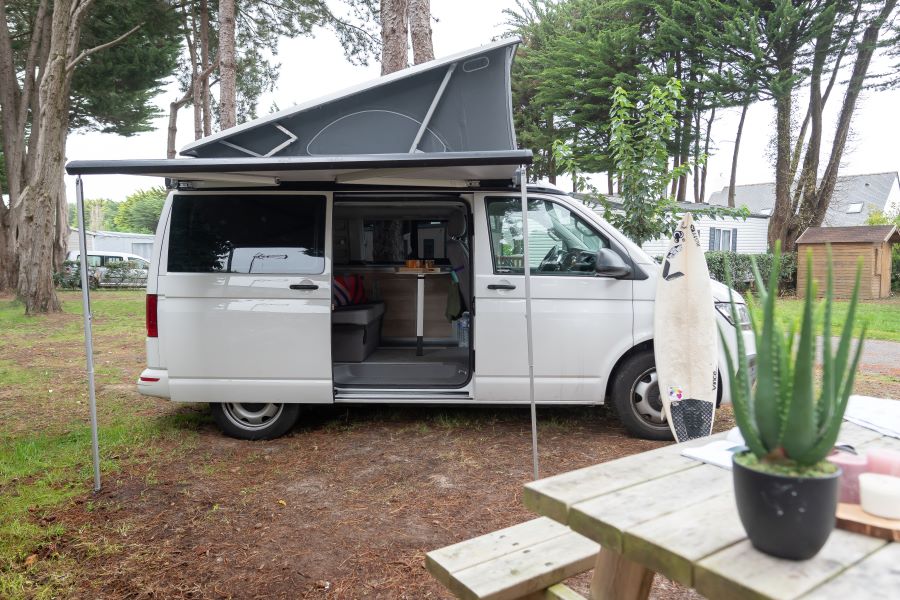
(677, 516)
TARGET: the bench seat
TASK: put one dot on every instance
(525, 560)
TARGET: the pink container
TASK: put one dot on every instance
(884, 461)
(853, 466)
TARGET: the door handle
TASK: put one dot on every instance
(501, 286)
(304, 286)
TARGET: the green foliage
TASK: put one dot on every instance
(113, 90)
(70, 276)
(877, 217)
(100, 214)
(139, 212)
(740, 268)
(640, 126)
(783, 419)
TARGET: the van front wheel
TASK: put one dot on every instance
(255, 420)
(637, 400)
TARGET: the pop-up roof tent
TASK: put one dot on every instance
(445, 123)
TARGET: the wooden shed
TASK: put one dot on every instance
(872, 243)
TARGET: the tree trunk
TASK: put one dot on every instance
(704, 167)
(227, 66)
(782, 215)
(204, 61)
(394, 35)
(696, 169)
(41, 197)
(822, 198)
(734, 156)
(806, 186)
(609, 183)
(420, 30)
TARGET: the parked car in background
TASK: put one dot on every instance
(112, 269)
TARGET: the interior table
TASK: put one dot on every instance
(660, 512)
(420, 275)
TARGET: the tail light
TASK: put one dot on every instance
(152, 330)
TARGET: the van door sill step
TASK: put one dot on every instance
(399, 396)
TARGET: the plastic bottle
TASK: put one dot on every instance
(463, 324)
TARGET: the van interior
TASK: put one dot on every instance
(378, 338)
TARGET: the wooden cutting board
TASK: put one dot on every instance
(853, 518)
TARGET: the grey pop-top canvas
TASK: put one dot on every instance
(460, 103)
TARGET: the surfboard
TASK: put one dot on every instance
(685, 336)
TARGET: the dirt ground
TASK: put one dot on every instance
(345, 506)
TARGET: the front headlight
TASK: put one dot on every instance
(743, 313)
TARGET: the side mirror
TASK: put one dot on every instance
(610, 264)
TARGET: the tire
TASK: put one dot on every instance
(637, 400)
(255, 421)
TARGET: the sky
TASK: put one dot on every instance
(315, 66)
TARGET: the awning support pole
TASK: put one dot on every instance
(434, 103)
(88, 333)
(526, 268)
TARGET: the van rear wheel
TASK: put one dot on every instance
(637, 399)
(255, 420)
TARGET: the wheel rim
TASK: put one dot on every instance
(646, 401)
(252, 416)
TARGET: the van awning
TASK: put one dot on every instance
(445, 168)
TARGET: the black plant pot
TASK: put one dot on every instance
(787, 517)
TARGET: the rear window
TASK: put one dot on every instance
(247, 234)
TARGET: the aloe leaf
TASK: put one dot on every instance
(801, 431)
(829, 436)
(740, 380)
(766, 403)
(843, 351)
(740, 400)
(828, 397)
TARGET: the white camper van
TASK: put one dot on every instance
(369, 247)
(248, 306)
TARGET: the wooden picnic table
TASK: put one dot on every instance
(660, 512)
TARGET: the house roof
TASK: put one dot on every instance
(871, 190)
(616, 199)
(873, 234)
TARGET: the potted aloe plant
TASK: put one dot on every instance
(786, 491)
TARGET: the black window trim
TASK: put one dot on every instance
(323, 197)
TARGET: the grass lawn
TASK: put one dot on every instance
(881, 316)
(353, 497)
(45, 438)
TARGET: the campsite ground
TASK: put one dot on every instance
(343, 507)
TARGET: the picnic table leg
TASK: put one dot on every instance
(617, 578)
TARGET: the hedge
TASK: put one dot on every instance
(742, 271)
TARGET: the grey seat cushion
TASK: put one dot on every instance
(358, 314)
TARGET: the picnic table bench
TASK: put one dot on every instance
(660, 512)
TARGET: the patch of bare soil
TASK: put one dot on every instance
(344, 507)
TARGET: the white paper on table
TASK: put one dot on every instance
(719, 452)
(878, 414)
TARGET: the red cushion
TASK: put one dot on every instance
(349, 290)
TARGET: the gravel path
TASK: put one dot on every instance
(878, 355)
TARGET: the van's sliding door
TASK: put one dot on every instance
(245, 297)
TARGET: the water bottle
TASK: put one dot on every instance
(463, 331)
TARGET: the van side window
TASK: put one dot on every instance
(560, 242)
(247, 234)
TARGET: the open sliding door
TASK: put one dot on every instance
(245, 297)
